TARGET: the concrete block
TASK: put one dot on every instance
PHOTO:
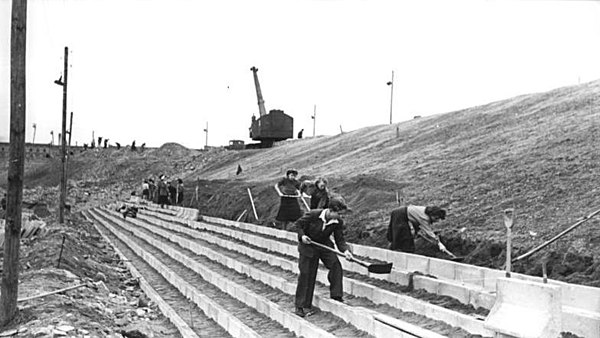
(425, 283)
(580, 322)
(525, 309)
(456, 291)
(442, 269)
(400, 277)
(417, 263)
(362, 290)
(235, 328)
(469, 274)
(398, 258)
(481, 298)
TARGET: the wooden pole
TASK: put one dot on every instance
(253, 207)
(16, 164)
(553, 239)
(508, 223)
(63, 177)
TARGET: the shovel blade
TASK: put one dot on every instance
(380, 268)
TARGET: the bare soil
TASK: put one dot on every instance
(536, 153)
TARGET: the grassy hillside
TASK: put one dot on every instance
(536, 153)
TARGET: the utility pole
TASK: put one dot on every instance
(314, 117)
(206, 131)
(391, 84)
(63, 142)
(9, 289)
(34, 128)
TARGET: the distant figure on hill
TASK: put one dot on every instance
(143, 146)
(163, 191)
(99, 141)
(85, 146)
(105, 143)
(93, 144)
(133, 148)
(408, 221)
(118, 145)
(300, 133)
(288, 189)
(180, 189)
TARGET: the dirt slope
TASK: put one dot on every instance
(536, 153)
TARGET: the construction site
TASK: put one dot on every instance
(220, 266)
(90, 250)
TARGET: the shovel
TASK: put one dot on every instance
(373, 268)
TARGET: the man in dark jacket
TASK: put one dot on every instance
(317, 226)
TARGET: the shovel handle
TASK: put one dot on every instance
(322, 246)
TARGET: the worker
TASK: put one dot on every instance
(317, 226)
(180, 189)
(408, 221)
(145, 190)
(288, 189)
(319, 198)
(300, 133)
(162, 191)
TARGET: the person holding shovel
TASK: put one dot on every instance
(288, 189)
(316, 226)
(408, 221)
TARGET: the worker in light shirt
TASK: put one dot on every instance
(408, 221)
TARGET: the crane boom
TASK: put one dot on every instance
(261, 102)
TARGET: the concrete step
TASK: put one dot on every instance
(469, 284)
(357, 288)
(284, 316)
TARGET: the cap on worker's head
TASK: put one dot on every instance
(291, 171)
(162, 177)
(436, 212)
(337, 204)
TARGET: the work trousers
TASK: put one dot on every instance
(308, 274)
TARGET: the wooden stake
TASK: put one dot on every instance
(16, 163)
(253, 207)
(508, 223)
(241, 215)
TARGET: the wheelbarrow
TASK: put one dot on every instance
(373, 268)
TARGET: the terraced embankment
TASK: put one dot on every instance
(221, 277)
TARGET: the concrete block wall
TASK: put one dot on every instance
(182, 327)
(580, 304)
(250, 298)
(353, 287)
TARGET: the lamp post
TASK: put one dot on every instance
(314, 117)
(391, 84)
(206, 131)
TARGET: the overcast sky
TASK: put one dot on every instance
(157, 71)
